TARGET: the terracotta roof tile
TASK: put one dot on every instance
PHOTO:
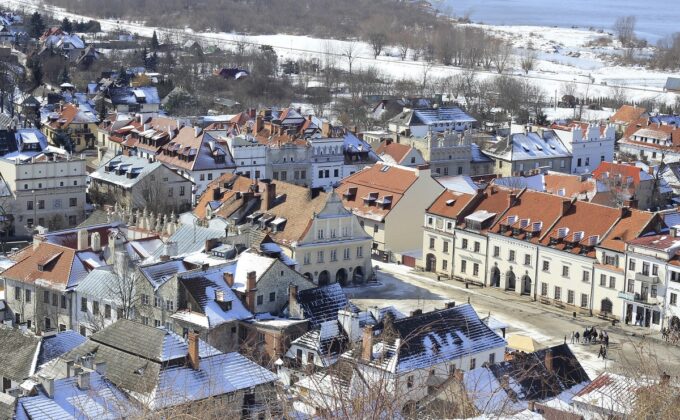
(363, 191)
(47, 262)
(628, 228)
(627, 114)
(450, 204)
(397, 151)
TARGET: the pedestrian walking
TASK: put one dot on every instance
(572, 337)
(578, 337)
(606, 340)
(601, 352)
(604, 352)
(601, 337)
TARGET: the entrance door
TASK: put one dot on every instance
(431, 263)
(648, 316)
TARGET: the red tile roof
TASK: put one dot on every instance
(450, 204)
(615, 169)
(376, 182)
(629, 227)
(397, 151)
(627, 114)
(532, 207)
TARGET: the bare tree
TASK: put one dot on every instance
(404, 41)
(123, 291)
(349, 51)
(377, 40)
(528, 60)
(625, 29)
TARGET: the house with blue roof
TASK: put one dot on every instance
(419, 122)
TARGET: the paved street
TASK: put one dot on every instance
(630, 350)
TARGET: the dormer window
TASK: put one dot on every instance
(371, 198)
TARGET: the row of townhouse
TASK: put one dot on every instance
(572, 254)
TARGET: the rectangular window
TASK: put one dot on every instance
(463, 266)
(107, 311)
(603, 280)
(645, 268)
(653, 291)
(565, 271)
(29, 205)
(656, 317)
(360, 252)
(95, 307)
(334, 255)
(145, 320)
(584, 300)
(473, 363)
(475, 269)
(156, 302)
(492, 358)
(446, 247)
(674, 299)
(55, 299)
(655, 270)
(156, 323)
(477, 246)
(612, 282)
(527, 259)
(63, 301)
(170, 305)
(409, 381)
(544, 289)
(346, 254)
(319, 234)
(28, 296)
(496, 251)
(41, 204)
(272, 296)
(445, 264)
(319, 256)
(307, 258)
(46, 296)
(432, 243)
(630, 288)
(17, 293)
(464, 244)
(260, 299)
(210, 176)
(558, 293)
(170, 192)
(72, 202)
(631, 264)
(182, 191)
(570, 297)
(586, 276)
(83, 304)
(511, 256)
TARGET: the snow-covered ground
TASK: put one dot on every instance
(563, 56)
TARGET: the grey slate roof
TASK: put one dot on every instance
(101, 283)
(322, 303)
(18, 353)
(55, 345)
(190, 239)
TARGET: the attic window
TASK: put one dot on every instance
(371, 198)
(385, 202)
(511, 220)
(524, 223)
(578, 236)
(593, 240)
(44, 263)
(450, 203)
(525, 147)
(277, 224)
(536, 226)
(562, 232)
(350, 193)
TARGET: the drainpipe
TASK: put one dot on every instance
(486, 262)
(536, 273)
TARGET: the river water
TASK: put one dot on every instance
(655, 18)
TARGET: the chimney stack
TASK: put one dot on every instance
(566, 205)
(258, 124)
(229, 279)
(367, 344)
(450, 305)
(82, 239)
(251, 290)
(96, 241)
(549, 360)
(100, 367)
(83, 380)
(268, 196)
(48, 385)
(416, 312)
(631, 203)
(193, 350)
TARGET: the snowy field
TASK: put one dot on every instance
(563, 56)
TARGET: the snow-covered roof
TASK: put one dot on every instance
(55, 345)
(216, 300)
(247, 262)
(125, 171)
(530, 146)
(459, 183)
(69, 401)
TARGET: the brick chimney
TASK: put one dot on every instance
(512, 198)
(549, 360)
(450, 305)
(268, 196)
(294, 310)
(251, 290)
(258, 124)
(326, 128)
(416, 312)
(229, 279)
(367, 344)
(631, 203)
(566, 205)
(193, 350)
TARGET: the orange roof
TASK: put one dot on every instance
(450, 204)
(47, 262)
(397, 151)
(632, 225)
(534, 207)
(627, 114)
(493, 199)
(66, 116)
(616, 169)
(240, 184)
(586, 219)
(572, 184)
(362, 191)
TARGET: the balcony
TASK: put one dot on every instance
(646, 278)
(639, 298)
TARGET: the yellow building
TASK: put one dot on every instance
(72, 128)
